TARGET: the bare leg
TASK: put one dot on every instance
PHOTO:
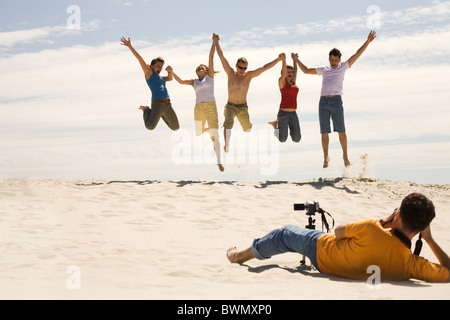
(226, 134)
(343, 141)
(241, 256)
(216, 144)
(325, 143)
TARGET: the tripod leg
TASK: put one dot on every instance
(303, 261)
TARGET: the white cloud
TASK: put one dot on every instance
(393, 21)
(44, 34)
(438, 11)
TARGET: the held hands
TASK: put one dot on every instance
(282, 56)
(169, 69)
(294, 56)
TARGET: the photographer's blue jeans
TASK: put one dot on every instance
(288, 239)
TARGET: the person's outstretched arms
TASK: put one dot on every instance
(169, 76)
(294, 56)
(304, 68)
(215, 40)
(178, 79)
(281, 80)
(147, 70)
(267, 66)
(372, 35)
(225, 64)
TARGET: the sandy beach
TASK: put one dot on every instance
(92, 239)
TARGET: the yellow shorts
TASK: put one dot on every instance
(206, 112)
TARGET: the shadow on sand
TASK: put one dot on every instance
(307, 271)
(317, 184)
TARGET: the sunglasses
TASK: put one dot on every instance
(242, 68)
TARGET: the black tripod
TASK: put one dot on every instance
(312, 226)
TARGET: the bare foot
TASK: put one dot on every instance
(347, 162)
(274, 124)
(226, 148)
(143, 108)
(241, 256)
(221, 168)
(231, 254)
(326, 161)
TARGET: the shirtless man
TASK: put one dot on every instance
(238, 85)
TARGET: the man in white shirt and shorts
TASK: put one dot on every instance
(330, 105)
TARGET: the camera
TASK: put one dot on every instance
(311, 207)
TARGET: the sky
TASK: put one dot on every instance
(69, 92)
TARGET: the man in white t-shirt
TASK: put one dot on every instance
(330, 105)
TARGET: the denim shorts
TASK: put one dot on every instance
(331, 107)
(288, 239)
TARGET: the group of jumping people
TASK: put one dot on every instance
(286, 122)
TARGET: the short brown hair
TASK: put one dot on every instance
(154, 61)
(335, 52)
(416, 212)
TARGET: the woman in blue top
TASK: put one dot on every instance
(161, 106)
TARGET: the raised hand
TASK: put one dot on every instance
(125, 42)
(372, 35)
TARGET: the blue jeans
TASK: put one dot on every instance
(288, 239)
(331, 107)
(289, 122)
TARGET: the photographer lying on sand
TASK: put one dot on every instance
(355, 246)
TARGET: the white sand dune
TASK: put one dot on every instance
(167, 240)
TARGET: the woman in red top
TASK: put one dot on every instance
(287, 119)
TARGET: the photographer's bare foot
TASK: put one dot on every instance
(231, 254)
(241, 256)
